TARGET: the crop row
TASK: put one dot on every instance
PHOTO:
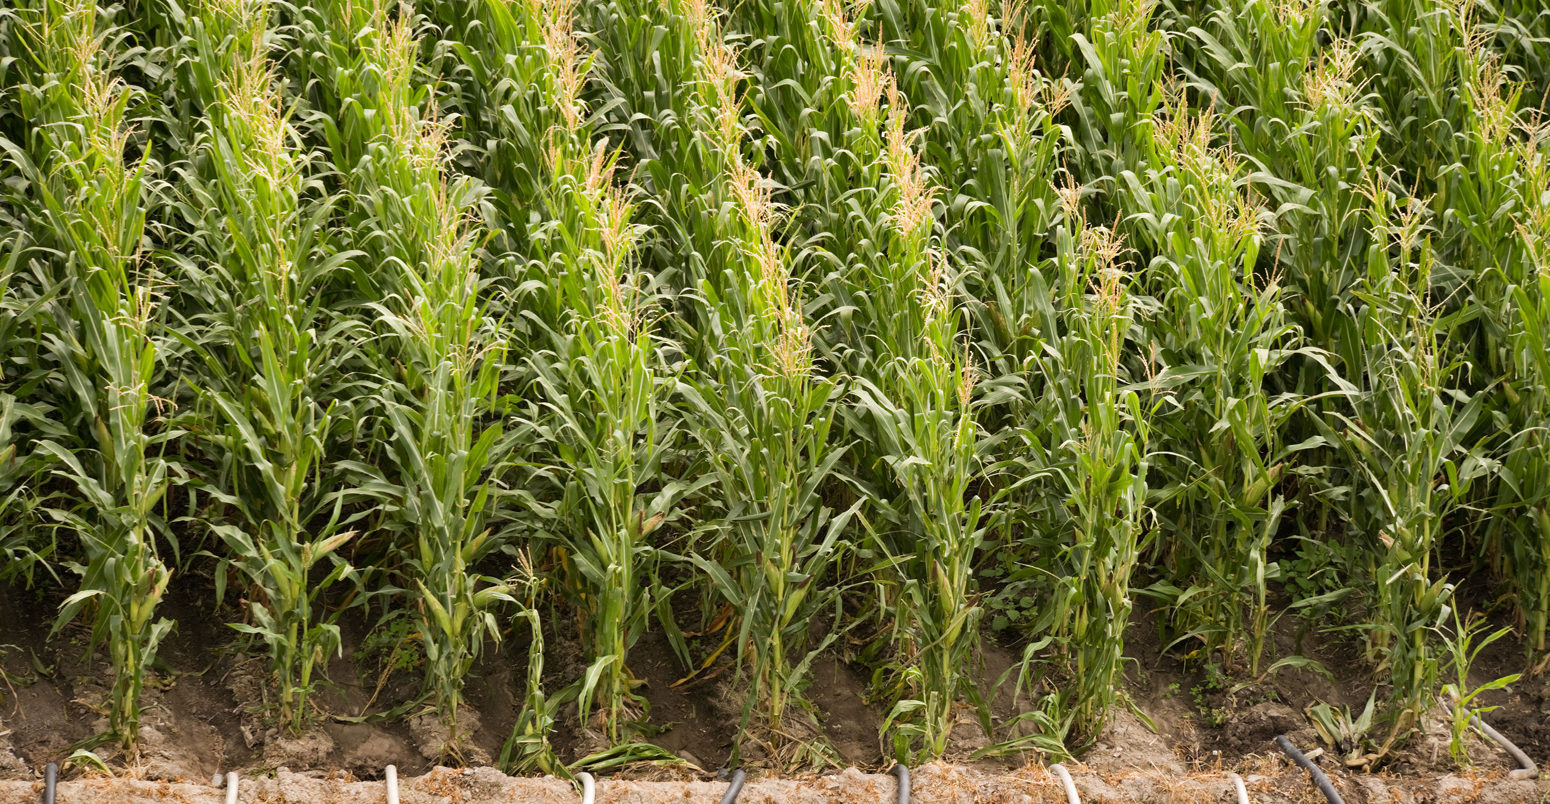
(785, 327)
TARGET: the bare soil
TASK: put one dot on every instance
(932, 784)
(1182, 727)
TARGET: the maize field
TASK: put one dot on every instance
(778, 334)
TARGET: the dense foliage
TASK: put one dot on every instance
(783, 326)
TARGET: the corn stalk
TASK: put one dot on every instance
(1093, 440)
(101, 338)
(1220, 337)
(771, 414)
(594, 422)
(437, 357)
(20, 471)
(266, 345)
(602, 387)
(1409, 441)
(916, 404)
(1521, 526)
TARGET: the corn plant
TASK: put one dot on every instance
(1015, 216)
(596, 365)
(509, 63)
(1495, 219)
(1302, 110)
(826, 173)
(1121, 63)
(1299, 110)
(1346, 732)
(528, 748)
(13, 540)
(603, 386)
(266, 343)
(1408, 437)
(916, 398)
(1222, 332)
(988, 126)
(101, 338)
(926, 428)
(19, 471)
(916, 404)
(1465, 643)
(18, 500)
(594, 423)
(1525, 533)
(519, 69)
(763, 413)
(22, 414)
(1079, 480)
(1517, 30)
(330, 58)
(771, 454)
(1102, 467)
(711, 217)
(1412, 49)
(766, 421)
(802, 92)
(1476, 247)
(989, 132)
(437, 355)
(672, 107)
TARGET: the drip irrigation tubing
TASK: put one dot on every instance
(735, 787)
(1066, 782)
(1319, 779)
(588, 787)
(1237, 786)
(50, 782)
(1526, 767)
(392, 784)
(903, 775)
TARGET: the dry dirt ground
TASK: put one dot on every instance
(1183, 726)
(932, 784)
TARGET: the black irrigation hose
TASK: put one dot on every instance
(735, 787)
(1526, 767)
(903, 775)
(50, 782)
(1319, 779)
